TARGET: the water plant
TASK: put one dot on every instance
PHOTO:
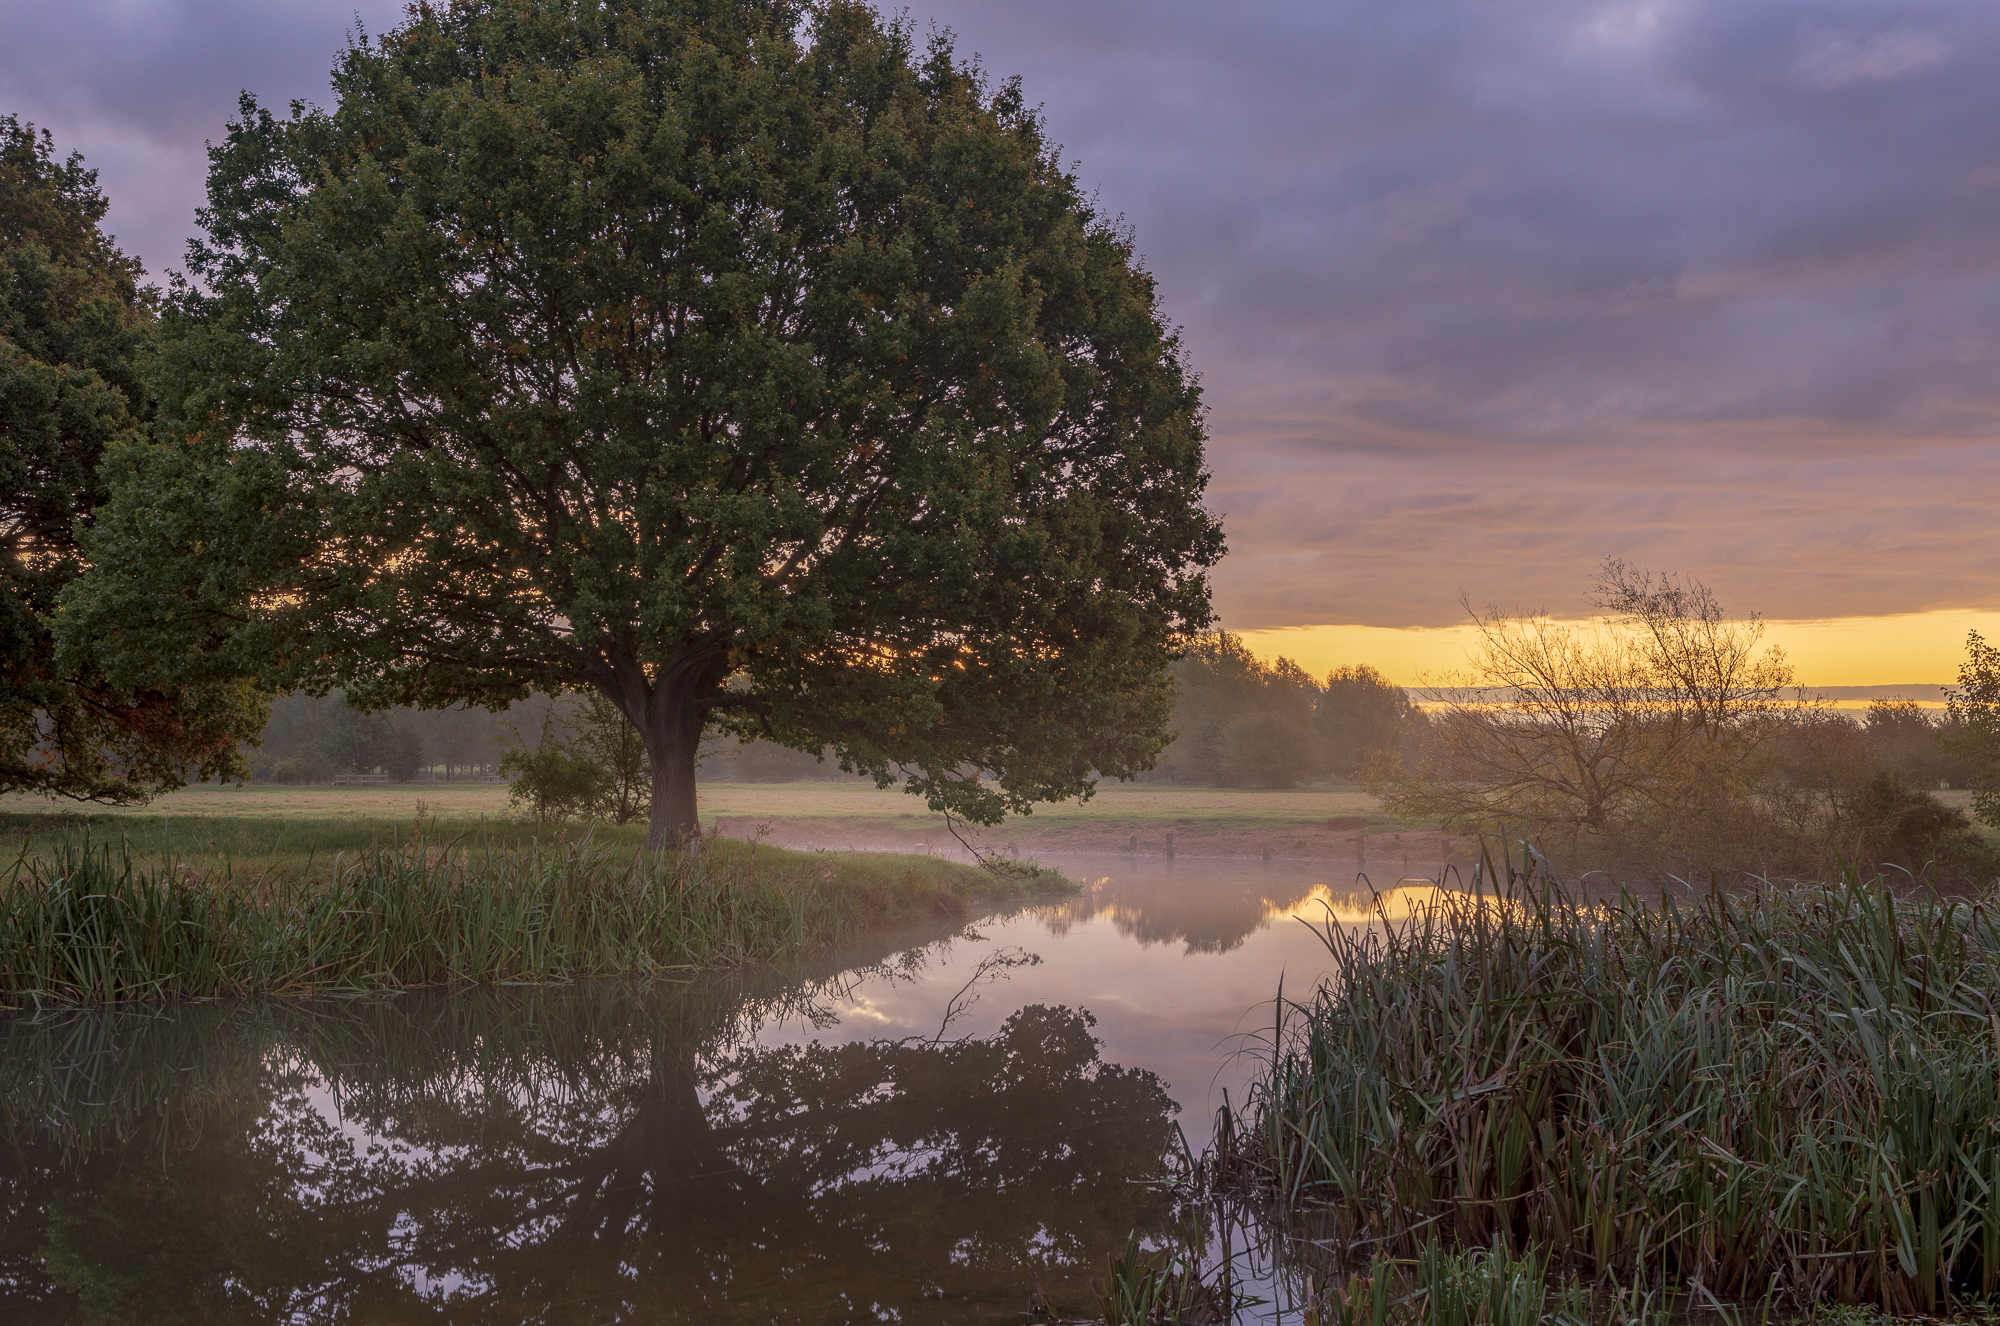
(1161, 1287)
(95, 923)
(1447, 1286)
(1491, 1287)
(1783, 1095)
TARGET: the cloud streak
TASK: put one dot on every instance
(1484, 293)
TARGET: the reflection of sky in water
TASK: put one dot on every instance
(1178, 962)
(887, 1137)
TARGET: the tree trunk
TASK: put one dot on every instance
(673, 740)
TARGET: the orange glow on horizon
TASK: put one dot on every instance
(1918, 648)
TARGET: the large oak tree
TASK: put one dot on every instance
(747, 361)
(75, 323)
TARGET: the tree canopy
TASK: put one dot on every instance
(746, 361)
(74, 323)
(1975, 705)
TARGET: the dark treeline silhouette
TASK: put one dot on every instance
(1247, 723)
(310, 739)
(1923, 747)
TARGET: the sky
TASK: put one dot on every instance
(1479, 293)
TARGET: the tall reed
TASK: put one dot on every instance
(1794, 1093)
(93, 924)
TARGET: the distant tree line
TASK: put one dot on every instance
(575, 749)
(1663, 738)
(1242, 722)
(311, 738)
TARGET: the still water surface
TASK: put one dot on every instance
(897, 1133)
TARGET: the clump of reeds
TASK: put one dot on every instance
(1162, 1287)
(1792, 1094)
(93, 924)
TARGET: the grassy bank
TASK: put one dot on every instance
(264, 841)
(82, 922)
(1793, 1094)
(845, 801)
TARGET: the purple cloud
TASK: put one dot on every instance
(1479, 293)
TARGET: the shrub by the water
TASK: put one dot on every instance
(96, 924)
(1793, 1093)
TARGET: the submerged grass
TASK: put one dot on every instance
(97, 923)
(1790, 1096)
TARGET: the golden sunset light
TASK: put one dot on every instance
(1908, 649)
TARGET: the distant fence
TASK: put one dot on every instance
(355, 780)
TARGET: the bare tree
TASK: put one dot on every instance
(1660, 711)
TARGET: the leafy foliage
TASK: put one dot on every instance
(588, 764)
(553, 784)
(1911, 828)
(1842, 788)
(1976, 704)
(1362, 716)
(742, 361)
(1919, 745)
(1793, 1092)
(74, 326)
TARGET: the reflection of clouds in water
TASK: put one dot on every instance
(1362, 907)
(875, 1127)
(1211, 911)
(864, 1007)
(616, 1146)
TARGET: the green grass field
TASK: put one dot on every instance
(227, 890)
(258, 826)
(1114, 802)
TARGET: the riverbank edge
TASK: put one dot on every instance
(96, 923)
(1844, 1020)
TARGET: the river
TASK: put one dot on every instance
(904, 1131)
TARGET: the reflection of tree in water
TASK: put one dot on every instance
(1213, 908)
(599, 1153)
(1208, 911)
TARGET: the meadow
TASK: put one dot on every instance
(846, 800)
(102, 923)
(261, 889)
(267, 888)
(263, 826)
